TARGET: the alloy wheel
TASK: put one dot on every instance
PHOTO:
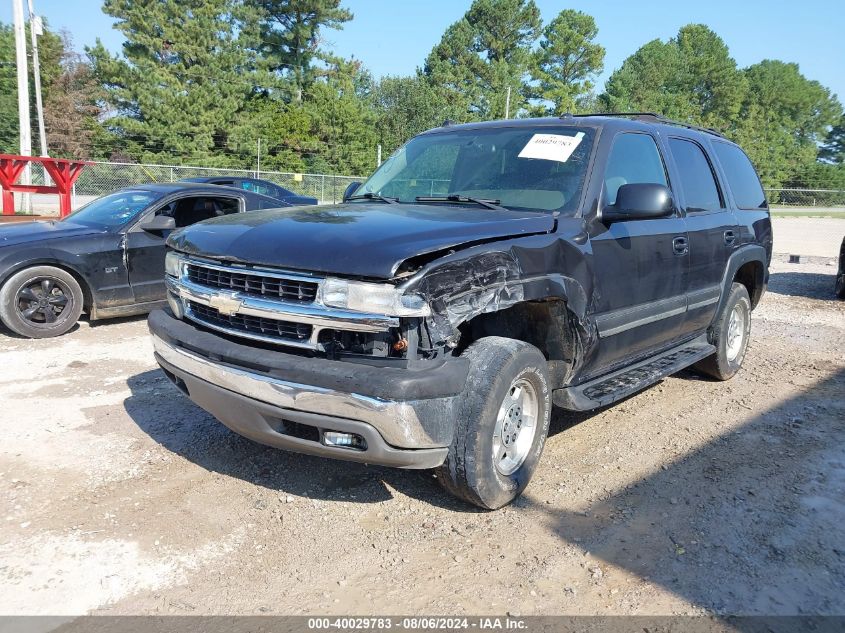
(516, 425)
(44, 302)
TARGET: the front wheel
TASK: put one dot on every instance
(501, 425)
(730, 335)
(40, 302)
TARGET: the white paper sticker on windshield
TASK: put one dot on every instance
(551, 146)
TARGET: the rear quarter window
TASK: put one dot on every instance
(697, 179)
(741, 176)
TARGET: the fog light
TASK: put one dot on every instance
(344, 440)
(175, 305)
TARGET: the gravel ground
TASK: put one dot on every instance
(118, 495)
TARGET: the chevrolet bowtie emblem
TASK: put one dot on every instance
(226, 305)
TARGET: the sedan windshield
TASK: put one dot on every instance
(539, 168)
(114, 209)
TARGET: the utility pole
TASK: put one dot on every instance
(23, 93)
(35, 30)
(508, 103)
(258, 166)
(378, 155)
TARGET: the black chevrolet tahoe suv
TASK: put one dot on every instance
(484, 273)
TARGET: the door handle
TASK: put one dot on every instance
(680, 245)
(730, 238)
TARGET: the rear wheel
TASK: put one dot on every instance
(40, 302)
(501, 425)
(730, 335)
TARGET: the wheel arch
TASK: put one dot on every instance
(751, 275)
(747, 266)
(547, 323)
(85, 286)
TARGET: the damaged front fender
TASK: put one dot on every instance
(491, 278)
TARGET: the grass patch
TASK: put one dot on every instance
(779, 213)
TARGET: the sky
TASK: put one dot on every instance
(393, 37)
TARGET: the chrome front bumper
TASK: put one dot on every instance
(255, 405)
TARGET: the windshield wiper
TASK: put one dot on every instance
(374, 196)
(484, 202)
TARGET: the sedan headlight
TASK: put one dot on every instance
(376, 298)
(173, 264)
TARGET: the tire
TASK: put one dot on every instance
(507, 394)
(839, 289)
(40, 302)
(730, 352)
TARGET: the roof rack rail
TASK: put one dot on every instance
(659, 118)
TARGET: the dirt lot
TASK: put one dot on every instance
(117, 495)
(819, 237)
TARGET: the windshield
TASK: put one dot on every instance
(115, 209)
(528, 168)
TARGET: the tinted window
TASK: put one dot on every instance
(633, 159)
(265, 189)
(188, 211)
(700, 189)
(742, 179)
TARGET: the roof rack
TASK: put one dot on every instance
(653, 116)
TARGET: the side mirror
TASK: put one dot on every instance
(158, 223)
(350, 190)
(640, 201)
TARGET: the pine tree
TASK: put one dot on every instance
(692, 77)
(567, 62)
(185, 75)
(833, 149)
(290, 37)
(483, 54)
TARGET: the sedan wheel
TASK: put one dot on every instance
(40, 302)
(43, 301)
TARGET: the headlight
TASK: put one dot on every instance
(377, 298)
(173, 264)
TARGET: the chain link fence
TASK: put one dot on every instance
(807, 198)
(100, 178)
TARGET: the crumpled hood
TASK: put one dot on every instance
(356, 239)
(15, 233)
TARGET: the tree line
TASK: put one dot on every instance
(200, 82)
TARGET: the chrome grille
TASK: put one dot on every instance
(247, 324)
(254, 283)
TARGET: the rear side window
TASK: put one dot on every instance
(634, 158)
(697, 181)
(259, 187)
(742, 178)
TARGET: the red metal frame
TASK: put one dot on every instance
(63, 172)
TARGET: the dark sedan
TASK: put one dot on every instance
(264, 187)
(107, 258)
